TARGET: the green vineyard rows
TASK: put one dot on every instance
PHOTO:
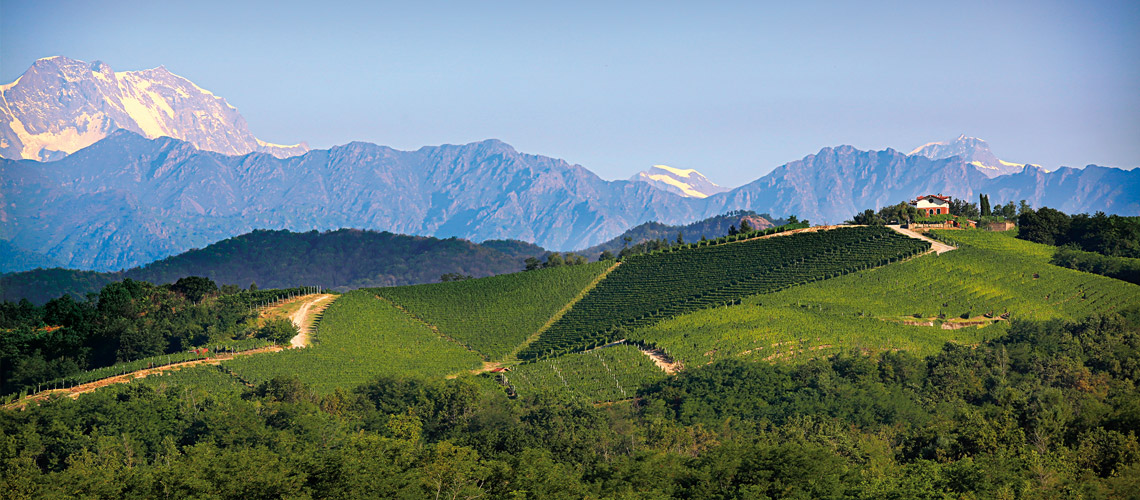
(207, 378)
(648, 288)
(153, 362)
(494, 315)
(605, 374)
(989, 274)
(358, 338)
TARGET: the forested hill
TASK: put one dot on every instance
(342, 259)
(711, 228)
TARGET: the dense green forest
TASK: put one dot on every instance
(1048, 411)
(126, 321)
(1111, 235)
(343, 259)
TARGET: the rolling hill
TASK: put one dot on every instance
(342, 260)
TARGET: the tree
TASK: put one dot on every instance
(1023, 207)
(732, 230)
(532, 263)
(984, 203)
(195, 288)
(745, 226)
(606, 255)
(278, 331)
(680, 238)
(792, 219)
(253, 286)
(554, 260)
(454, 277)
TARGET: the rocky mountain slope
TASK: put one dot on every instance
(127, 200)
(688, 183)
(975, 151)
(60, 105)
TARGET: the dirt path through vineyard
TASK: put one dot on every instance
(305, 317)
(74, 392)
(937, 246)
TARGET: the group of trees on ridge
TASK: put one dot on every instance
(904, 211)
(125, 321)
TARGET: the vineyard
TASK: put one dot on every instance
(359, 337)
(605, 374)
(494, 315)
(915, 305)
(208, 378)
(648, 288)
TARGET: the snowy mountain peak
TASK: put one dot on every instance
(688, 183)
(60, 105)
(973, 150)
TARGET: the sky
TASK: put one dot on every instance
(732, 89)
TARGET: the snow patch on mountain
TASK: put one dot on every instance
(974, 151)
(688, 182)
(60, 105)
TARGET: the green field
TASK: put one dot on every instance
(605, 374)
(646, 289)
(990, 274)
(494, 315)
(358, 338)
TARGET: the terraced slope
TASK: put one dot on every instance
(649, 288)
(360, 337)
(494, 315)
(916, 305)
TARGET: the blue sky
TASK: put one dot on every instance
(731, 89)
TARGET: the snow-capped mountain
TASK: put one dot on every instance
(688, 183)
(975, 151)
(60, 105)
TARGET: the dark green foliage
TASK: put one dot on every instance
(1049, 411)
(1121, 268)
(712, 227)
(1111, 235)
(278, 331)
(128, 320)
(195, 288)
(646, 289)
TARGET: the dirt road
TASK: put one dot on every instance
(938, 247)
(305, 317)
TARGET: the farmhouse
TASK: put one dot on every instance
(932, 204)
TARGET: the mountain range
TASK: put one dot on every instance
(61, 105)
(128, 199)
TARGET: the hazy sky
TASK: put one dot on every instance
(732, 89)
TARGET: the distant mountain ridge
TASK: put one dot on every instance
(60, 105)
(127, 200)
(688, 183)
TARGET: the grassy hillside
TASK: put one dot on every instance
(359, 338)
(344, 259)
(648, 288)
(494, 315)
(990, 274)
(605, 374)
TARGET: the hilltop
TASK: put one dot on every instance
(342, 260)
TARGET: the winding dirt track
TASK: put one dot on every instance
(305, 317)
(937, 246)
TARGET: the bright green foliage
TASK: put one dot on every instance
(358, 338)
(989, 274)
(494, 315)
(605, 374)
(648, 288)
(791, 333)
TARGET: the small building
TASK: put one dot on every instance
(932, 204)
